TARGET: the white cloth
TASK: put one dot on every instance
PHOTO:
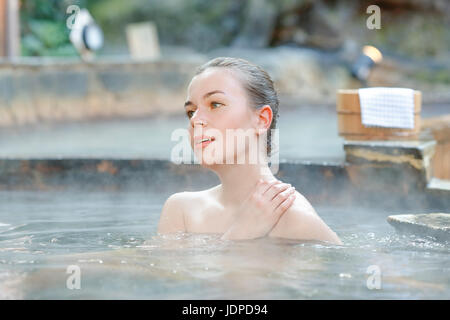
(387, 107)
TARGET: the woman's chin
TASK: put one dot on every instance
(209, 159)
(217, 163)
(211, 164)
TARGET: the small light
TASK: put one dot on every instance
(373, 53)
(365, 62)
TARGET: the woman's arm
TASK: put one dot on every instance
(172, 217)
(301, 222)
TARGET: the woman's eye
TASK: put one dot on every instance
(216, 104)
(190, 114)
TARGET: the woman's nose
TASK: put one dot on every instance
(198, 119)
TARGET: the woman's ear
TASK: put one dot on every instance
(264, 120)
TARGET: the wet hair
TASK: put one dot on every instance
(256, 82)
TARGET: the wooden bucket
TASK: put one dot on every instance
(350, 124)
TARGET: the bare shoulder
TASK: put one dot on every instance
(302, 222)
(173, 214)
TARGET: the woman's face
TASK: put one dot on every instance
(217, 99)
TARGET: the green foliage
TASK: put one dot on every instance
(43, 27)
(200, 24)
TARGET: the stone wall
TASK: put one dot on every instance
(39, 91)
(376, 184)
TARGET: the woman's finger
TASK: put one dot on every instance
(281, 197)
(285, 205)
(261, 185)
(274, 190)
(265, 185)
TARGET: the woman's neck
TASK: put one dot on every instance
(239, 180)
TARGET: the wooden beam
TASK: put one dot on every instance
(9, 28)
(13, 29)
(3, 45)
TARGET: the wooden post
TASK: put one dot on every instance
(3, 46)
(143, 40)
(13, 29)
(9, 28)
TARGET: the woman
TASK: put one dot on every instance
(232, 95)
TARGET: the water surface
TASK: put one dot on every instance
(111, 237)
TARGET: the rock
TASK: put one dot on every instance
(310, 75)
(436, 225)
(304, 25)
(258, 26)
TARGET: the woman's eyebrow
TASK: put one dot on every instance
(211, 93)
(206, 95)
(188, 103)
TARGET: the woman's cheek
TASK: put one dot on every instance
(191, 137)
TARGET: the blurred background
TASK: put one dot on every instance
(410, 28)
(413, 37)
(146, 53)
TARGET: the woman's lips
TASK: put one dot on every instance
(201, 142)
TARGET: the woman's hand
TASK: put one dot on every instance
(261, 211)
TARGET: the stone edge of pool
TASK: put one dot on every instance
(386, 183)
(435, 225)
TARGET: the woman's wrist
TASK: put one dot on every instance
(230, 234)
(235, 234)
